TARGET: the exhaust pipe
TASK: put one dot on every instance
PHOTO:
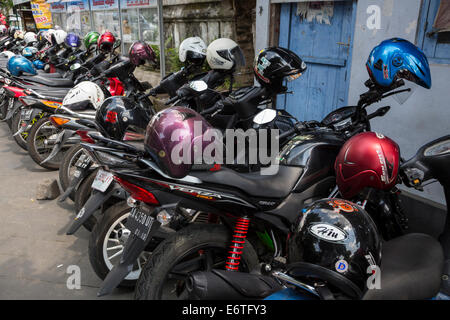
(226, 285)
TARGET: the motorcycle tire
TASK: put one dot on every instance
(195, 238)
(82, 195)
(110, 231)
(21, 139)
(67, 163)
(32, 148)
(3, 107)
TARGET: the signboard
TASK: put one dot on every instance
(57, 7)
(126, 4)
(41, 14)
(104, 4)
(82, 4)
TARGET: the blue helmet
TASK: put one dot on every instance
(18, 64)
(398, 58)
(38, 64)
(72, 40)
(29, 51)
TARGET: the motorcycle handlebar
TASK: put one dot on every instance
(171, 100)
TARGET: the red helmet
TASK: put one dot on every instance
(106, 41)
(367, 160)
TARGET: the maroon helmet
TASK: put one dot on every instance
(172, 137)
(140, 52)
(368, 159)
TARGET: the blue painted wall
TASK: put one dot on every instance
(426, 115)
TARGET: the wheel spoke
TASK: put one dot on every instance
(115, 247)
(115, 254)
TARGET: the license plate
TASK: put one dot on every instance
(102, 180)
(139, 222)
(82, 161)
(26, 114)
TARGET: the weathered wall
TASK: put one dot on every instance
(212, 19)
(426, 115)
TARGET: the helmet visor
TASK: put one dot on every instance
(238, 56)
(402, 97)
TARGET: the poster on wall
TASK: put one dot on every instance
(41, 14)
(126, 4)
(104, 4)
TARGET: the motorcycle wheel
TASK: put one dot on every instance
(16, 124)
(40, 131)
(204, 242)
(3, 107)
(82, 195)
(107, 241)
(67, 168)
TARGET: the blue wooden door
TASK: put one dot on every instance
(326, 49)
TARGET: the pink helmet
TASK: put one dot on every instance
(171, 137)
(140, 52)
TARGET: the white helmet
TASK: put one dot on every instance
(83, 94)
(7, 54)
(58, 27)
(3, 29)
(193, 50)
(60, 36)
(224, 54)
(30, 37)
(18, 34)
(48, 35)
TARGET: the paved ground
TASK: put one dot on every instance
(34, 250)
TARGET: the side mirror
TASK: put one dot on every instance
(198, 85)
(265, 116)
(75, 66)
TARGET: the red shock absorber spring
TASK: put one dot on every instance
(237, 244)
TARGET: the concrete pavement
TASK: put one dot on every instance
(34, 250)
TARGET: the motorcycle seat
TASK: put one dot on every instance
(57, 93)
(42, 73)
(278, 185)
(411, 269)
(51, 82)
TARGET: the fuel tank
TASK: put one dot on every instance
(315, 152)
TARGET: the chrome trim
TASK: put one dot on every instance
(284, 277)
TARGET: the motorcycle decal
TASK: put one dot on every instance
(379, 135)
(384, 172)
(202, 193)
(328, 232)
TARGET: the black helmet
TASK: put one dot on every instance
(335, 241)
(274, 64)
(117, 114)
(11, 31)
